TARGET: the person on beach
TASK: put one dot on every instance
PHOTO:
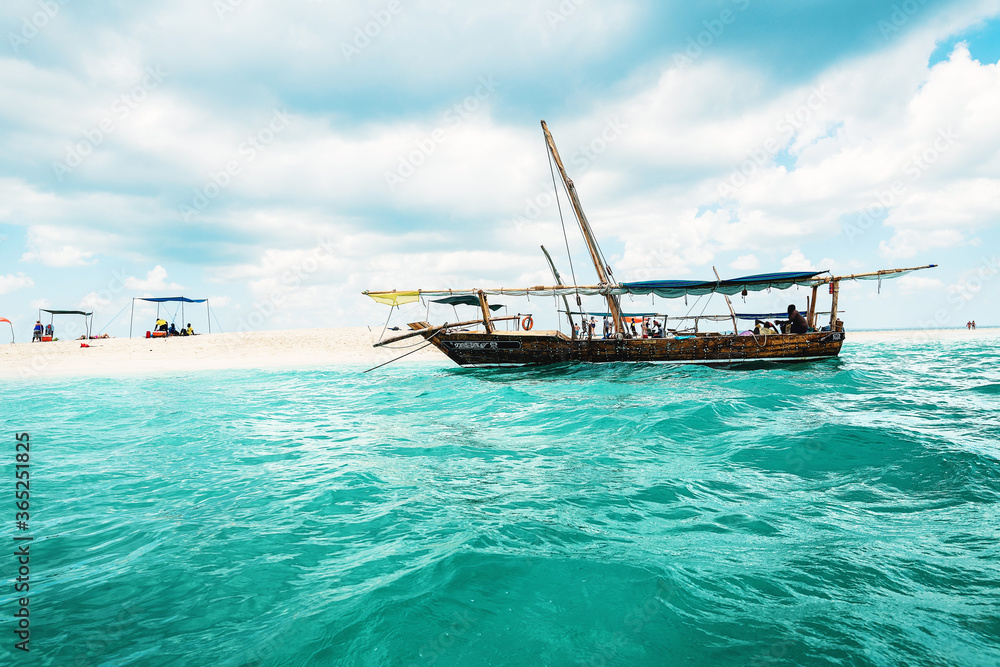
(796, 324)
(36, 334)
(973, 325)
(173, 330)
(49, 330)
(968, 325)
(189, 331)
(161, 325)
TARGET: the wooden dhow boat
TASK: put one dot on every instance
(481, 342)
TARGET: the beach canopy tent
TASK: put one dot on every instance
(159, 300)
(4, 319)
(88, 317)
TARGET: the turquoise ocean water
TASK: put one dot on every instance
(837, 513)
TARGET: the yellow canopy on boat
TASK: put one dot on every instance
(395, 298)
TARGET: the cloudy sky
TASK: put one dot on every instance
(281, 157)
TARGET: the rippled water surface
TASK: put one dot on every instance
(836, 513)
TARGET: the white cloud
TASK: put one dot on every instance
(797, 262)
(94, 301)
(745, 263)
(914, 284)
(11, 282)
(155, 281)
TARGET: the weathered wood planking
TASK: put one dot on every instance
(472, 348)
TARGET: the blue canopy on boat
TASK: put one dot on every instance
(466, 300)
(672, 289)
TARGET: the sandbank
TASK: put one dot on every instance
(256, 349)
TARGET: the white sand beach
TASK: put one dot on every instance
(275, 349)
(257, 349)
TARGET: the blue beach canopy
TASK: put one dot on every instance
(167, 299)
(161, 299)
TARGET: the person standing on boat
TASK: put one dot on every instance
(607, 327)
(576, 330)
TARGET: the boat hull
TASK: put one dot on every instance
(472, 348)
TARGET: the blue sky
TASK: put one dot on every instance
(280, 158)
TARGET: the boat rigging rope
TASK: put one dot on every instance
(562, 222)
(405, 355)
(113, 319)
(386, 325)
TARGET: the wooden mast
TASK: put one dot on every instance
(486, 312)
(559, 281)
(588, 234)
(833, 306)
(811, 315)
(736, 329)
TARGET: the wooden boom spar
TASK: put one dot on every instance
(446, 325)
(555, 274)
(588, 233)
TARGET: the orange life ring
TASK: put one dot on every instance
(527, 323)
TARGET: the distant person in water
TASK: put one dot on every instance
(968, 325)
(973, 325)
(796, 323)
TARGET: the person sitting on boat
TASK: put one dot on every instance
(796, 324)
(762, 328)
(657, 329)
(37, 333)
